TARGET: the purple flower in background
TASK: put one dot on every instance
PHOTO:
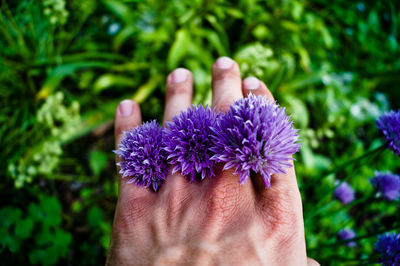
(255, 134)
(143, 159)
(187, 141)
(387, 184)
(347, 234)
(344, 192)
(388, 245)
(389, 123)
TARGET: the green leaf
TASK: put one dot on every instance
(23, 228)
(95, 216)
(62, 241)
(9, 216)
(55, 78)
(298, 110)
(119, 9)
(123, 35)
(97, 161)
(214, 39)
(44, 237)
(35, 212)
(109, 80)
(76, 206)
(178, 48)
(52, 210)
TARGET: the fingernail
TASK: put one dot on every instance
(179, 75)
(125, 108)
(251, 83)
(224, 62)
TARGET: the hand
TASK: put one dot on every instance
(215, 221)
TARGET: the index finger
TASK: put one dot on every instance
(127, 116)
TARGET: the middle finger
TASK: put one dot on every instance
(226, 83)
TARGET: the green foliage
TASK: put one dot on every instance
(65, 65)
(39, 224)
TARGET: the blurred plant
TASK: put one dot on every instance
(38, 223)
(60, 123)
(55, 10)
(254, 59)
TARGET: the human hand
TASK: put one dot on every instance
(215, 221)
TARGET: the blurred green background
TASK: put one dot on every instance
(65, 65)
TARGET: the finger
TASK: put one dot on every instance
(312, 262)
(225, 190)
(285, 184)
(179, 93)
(256, 87)
(127, 116)
(226, 83)
(178, 98)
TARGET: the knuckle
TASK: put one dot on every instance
(178, 89)
(223, 202)
(131, 211)
(280, 216)
(224, 76)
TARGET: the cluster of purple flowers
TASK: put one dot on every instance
(347, 234)
(187, 142)
(387, 184)
(389, 123)
(388, 245)
(255, 134)
(344, 192)
(143, 158)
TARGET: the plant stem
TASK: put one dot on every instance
(355, 160)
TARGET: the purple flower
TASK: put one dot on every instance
(344, 192)
(389, 123)
(187, 141)
(388, 245)
(387, 184)
(143, 159)
(255, 134)
(346, 234)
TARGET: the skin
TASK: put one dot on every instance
(213, 222)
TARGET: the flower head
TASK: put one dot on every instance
(387, 184)
(187, 141)
(346, 234)
(389, 123)
(344, 192)
(255, 134)
(388, 245)
(143, 159)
